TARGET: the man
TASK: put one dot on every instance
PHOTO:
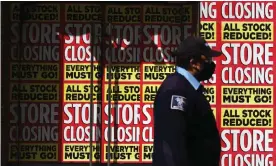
(185, 131)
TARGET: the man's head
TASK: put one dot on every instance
(195, 55)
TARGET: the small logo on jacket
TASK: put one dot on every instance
(178, 102)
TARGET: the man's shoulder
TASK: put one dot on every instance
(174, 89)
(176, 82)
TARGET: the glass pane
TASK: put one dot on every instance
(56, 94)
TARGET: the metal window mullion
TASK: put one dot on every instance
(19, 48)
(109, 92)
(91, 99)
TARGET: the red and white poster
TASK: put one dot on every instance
(81, 113)
(34, 75)
(244, 79)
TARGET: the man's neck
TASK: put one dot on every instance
(193, 72)
(189, 76)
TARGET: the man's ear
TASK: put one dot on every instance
(192, 61)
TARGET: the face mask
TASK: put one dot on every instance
(207, 72)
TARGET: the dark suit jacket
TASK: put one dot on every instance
(185, 131)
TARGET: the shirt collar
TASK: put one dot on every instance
(193, 81)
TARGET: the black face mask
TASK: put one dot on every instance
(207, 72)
